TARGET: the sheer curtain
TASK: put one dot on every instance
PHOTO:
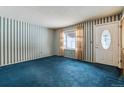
(61, 48)
(79, 42)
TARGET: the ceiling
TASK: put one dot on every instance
(57, 16)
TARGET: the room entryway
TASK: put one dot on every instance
(106, 45)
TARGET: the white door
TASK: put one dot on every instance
(106, 44)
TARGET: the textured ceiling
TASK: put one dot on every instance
(57, 16)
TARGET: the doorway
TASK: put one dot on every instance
(107, 44)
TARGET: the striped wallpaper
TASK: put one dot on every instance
(21, 41)
(88, 28)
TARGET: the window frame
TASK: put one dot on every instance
(65, 36)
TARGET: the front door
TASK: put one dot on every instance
(106, 44)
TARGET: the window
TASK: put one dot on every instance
(69, 40)
(106, 39)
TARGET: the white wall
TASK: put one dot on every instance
(21, 41)
(56, 42)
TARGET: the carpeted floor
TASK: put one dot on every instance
(58, 71)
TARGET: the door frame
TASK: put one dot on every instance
(119, 43)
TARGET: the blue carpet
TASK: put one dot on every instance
(58, 71)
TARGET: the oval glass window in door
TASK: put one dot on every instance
(106, 39)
